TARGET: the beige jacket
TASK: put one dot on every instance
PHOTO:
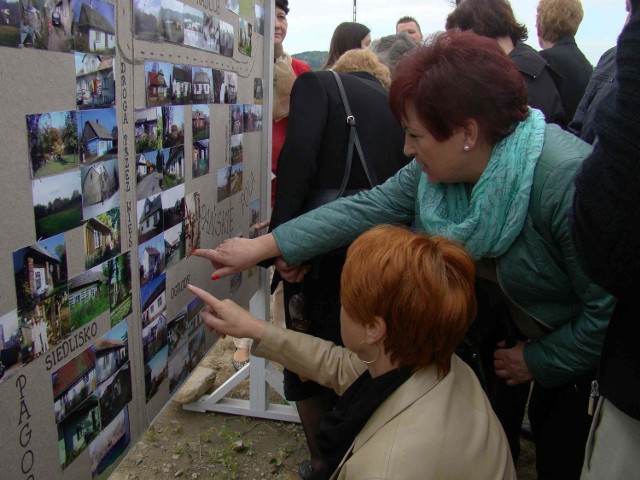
(428, 429)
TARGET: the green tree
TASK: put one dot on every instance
(70, 133)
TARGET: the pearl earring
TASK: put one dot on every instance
(466, 148)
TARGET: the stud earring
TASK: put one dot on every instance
(466, 148)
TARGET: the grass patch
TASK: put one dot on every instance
(60, 164)
(121, 311)
(9, 36)
(201, 134)
(82, 313)
(59, 222)
(169, 181)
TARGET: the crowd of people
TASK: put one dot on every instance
(453, 227)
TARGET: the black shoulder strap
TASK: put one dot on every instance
(353, 140)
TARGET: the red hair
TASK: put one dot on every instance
(457, 77)
(423, 288)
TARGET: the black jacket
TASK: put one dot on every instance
(606, 222)
(541, 82)
(575, 71)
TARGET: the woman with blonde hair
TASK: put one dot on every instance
(409, 408)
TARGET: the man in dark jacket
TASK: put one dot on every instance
(606, 229)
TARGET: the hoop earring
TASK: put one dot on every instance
(466, 148)
(367, 362)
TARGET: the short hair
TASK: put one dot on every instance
(489, 18)
(422, 286)
(458, 76)
(392, 48)
(363, 61)
(346, 36)
(558, 18)
(407, 19)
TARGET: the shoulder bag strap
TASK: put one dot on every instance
(353, 140)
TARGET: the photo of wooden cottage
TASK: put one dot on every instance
(156, 88)
(94, 27)
(150, 220)
(95, 85)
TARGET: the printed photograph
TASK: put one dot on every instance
(88, 295)
(149, 167)
(173, 206)
(186, 360)
(218, 82)
(148, 129)
(53, 142)
(236, 153)
(155, 373)
(200, 158)
(226, 40)
(157, 79)
(202, 87)
(259, 14)
(237, 123)
(100, 186)
(174, 245)
(151, 259)
(254, 206)
(173, 125)
(194, 308)
(173, 169)
(193, 27)
(110, 445)
(192, 230)
(146, 20)
(236, 178)
(258, 92)
(154, 338)
(9, 23)
(180, 88)
(101, 238)
(95, 84)
(14, 351)
(97, 135)
(46, 24)
(233, 5)
(57, 203)
(180, 328)
(78, 430)
(211, 33)
(152, 300)
(229, 89)
(252, 117)
(172, 20)
(224, 183)
(246, 8)
(149, 218)
(120, 297)
(94, 27)
(200, 122)
(113, 372)
(245, 32)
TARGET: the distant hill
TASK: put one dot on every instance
(315, 59)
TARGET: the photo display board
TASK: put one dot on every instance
(133, 134)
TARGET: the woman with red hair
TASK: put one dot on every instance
(489, 173)
(408, 408)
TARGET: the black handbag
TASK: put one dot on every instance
(317, 198)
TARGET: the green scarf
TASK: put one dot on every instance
(492, 217)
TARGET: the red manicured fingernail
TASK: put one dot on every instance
(215, 277)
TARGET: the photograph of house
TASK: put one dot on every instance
(53, 142)
(211, 33)
(146, 16)
(12, 345)
(172, 20)
(114, 390)
(192, 230)
(158, 80)
(100, 186)
(94, 26)
(236, 123)
(97, 135)
(173, 206)
(224, 183)
(78, 430)
(101, 238)
(252, 117)
(95, 85)
(73, 383)
(88, 295)
(229, 89)
(193, 26)
(174, 245)
(202, 85)
(259, 14)
(46, 25)
(178, 331)
(57, 203)
(9, 23)
(186, 360)
(200, 119)
(173, 125)
(245, 32)
(111, 444)
(218, 86)
(258, 91)
(154, 338)
(119, 280)
(173, 169)
(152, 300)
(149, 173)
(226, 41)
(155, 373)
(236, 149)
(151, 259)
(149, 218)
(181, 85)
(200, 158)
(148, 129)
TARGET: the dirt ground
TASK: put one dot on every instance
(214, 446)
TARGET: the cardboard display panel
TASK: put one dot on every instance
(133, 134)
